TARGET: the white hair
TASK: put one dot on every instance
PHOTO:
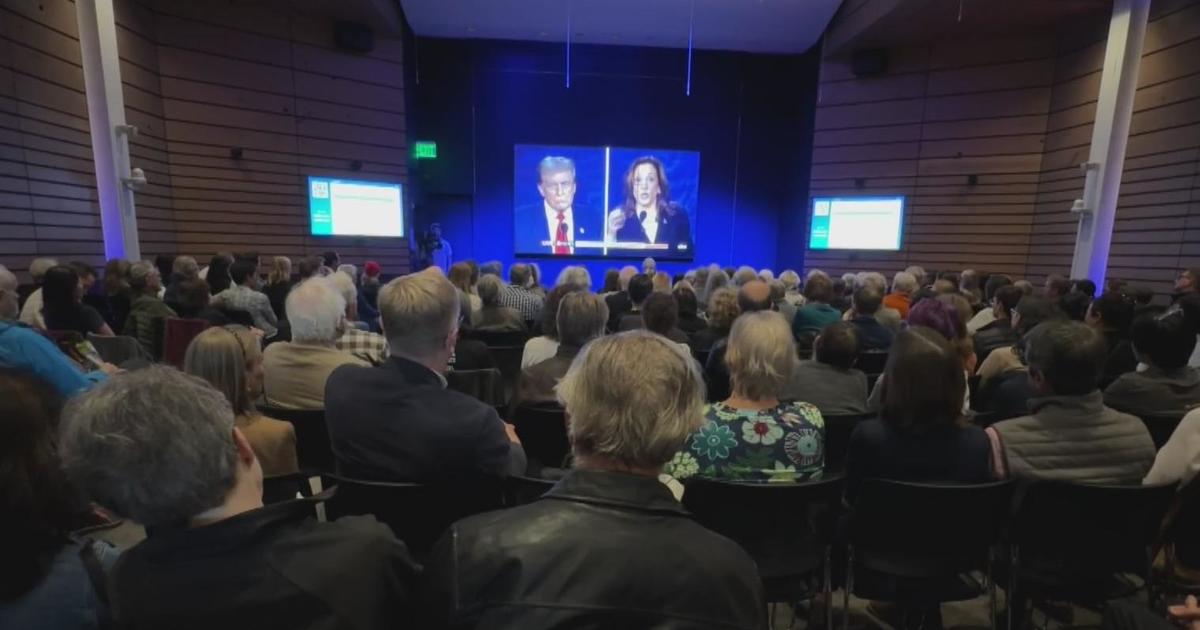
(766, 275)
(814, 273)
(39, 266)
(743, 275)
(870, 278)
(576, 276)
(849, 278)
(343, 284)
(790, 279)
(349, 270)
(904, 282)
(316, 312)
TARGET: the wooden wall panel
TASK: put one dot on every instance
(47, 184)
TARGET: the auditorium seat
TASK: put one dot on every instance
(313, 449)
(1181, 542)
(178, 334)
(486, 386)
(837, 438)
(872, 362)
(506, 349)
(543, 433)
(280, 488)
(118, 349)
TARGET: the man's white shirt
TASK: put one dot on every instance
(552, 225)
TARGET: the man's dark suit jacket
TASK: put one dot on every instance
(529, 223)
(618, 305)
(397, 422)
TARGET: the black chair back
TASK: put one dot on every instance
(837, 438)
(872, 361)
(280, 488)
(506, 349)
(1182, 531)
(313, 448)
(1161, 426)
(1073, 536)
(543, 433)
(486, 386)
(804, 345)
(417, 513)
(787, 528)
(239, 317)
(522, 490)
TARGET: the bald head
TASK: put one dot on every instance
(754, 295)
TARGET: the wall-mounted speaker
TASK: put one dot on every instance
(869, 63)
(353, 37)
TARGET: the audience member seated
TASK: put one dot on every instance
(1071, 435)
(722, 311)
(217, 274)
(1188, 281)
(829, 382)
(752, 297)
(717, 279)
(640, 288)
(984, 318)
(904, 287)
(63, 308)
(817, 313)
(370, 281)
(652, 567)
(660, 313)
(619, 302)
(51, 578)
(144, 284)
(460, 276)
(114, 304)
(245, 296)
(1031, 310)
(1112, 315)
(397, 421)
(1178, 459)
(872, 335)
(519, 293)
(545, 346)
(753, 435)
(791, 288)
(920, 435)
(612, 282)
(998, 333)
(296, 370)
(163, 449)
(279, 283)
(194, 303)
(368, 346)
(1056, 287)
(1075, 305)
(31, 309)
(1167, 385)
(690, 321)
(661, 282)
(581, 317)
(779, 300)
(495, 317)
(229, 359)
(27, 351)
(182, 268)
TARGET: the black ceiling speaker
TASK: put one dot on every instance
(869, 63)
(353, 37)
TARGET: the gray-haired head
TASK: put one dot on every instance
(153, 445)
(491, 268)
(905, 282)
(717, 279)
(141, 276)
(489, 290)
(581, 318)
(316, 312)
(186, 267)
(555, 164)
(766, 275)
(349, 270)
(870, 279)
(643, 426)
(343, 284)
(39, 266)
(790, 280)
(743, 275)
(649, 266)
(576, 276)
(419, 314)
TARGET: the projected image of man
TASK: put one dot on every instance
(556, 225)
(648, 215)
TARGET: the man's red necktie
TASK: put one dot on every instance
(561, 240)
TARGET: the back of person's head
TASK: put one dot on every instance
(641, 427)
(790, 280)
(309, 266)
(489, 289)
(778, 290)
(743, 275)
(281, 270)
(576, 276)
(993, 284)
(761, 355)
(1006, 299)
(1025, 286)
(923, 385)
(153, 445)
(192, 296)
(961, 306)
(660, 313)
(1113, 312)
(491, 268)
(350, 270)
(419, 313)
(951, 277)
(871, 279)
(717, 279)
(904, 282)
(116, 276)
(581, 318)
(819, 288)
(330, 259)
(649, 267)
(86, 272)
(837, 345)
(460, 276)
(867, 300)
(550, 308)
(1057, 286)
(1065, 358)
(60, 288)
(640, 287)
(41, 508)
(519, 275)
(372, 269)
(1033, 310)
(766, 275)
(223, 357)
(968, 281)
(187, 267)
(1084, 286)
(1165, 341)
(243, 270)
(343, 285)
(918, 274)
(39, 266)
(942, 285)
(754, 296)
(938, 316)
(165, 263)
(220, 263)
(723, 308)
(612, 281)
(625, 275)
(838, 288)
(535, 275)
(685, 297)
(661, 282)
(141, 276)
(1075, 305)
(316, 312)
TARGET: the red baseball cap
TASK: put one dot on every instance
(371, 268)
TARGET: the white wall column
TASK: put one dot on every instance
(106, 115)
(1118, 86)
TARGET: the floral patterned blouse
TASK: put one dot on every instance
(784, 444)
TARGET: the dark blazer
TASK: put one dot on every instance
(618, 305)
(599, 550)
(947, 454)
(530, 227)
(871, 334)
(274, 567)
(674, 229)
(398, 422)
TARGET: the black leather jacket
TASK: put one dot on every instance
(599, 550)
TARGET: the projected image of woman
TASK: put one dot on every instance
(648, 214)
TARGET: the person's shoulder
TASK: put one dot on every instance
(358, 541)
(349, 370)
(808, 411)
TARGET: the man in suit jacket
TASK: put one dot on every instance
(397, 421)
(555, 225)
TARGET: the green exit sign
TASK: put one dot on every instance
(425, 150)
